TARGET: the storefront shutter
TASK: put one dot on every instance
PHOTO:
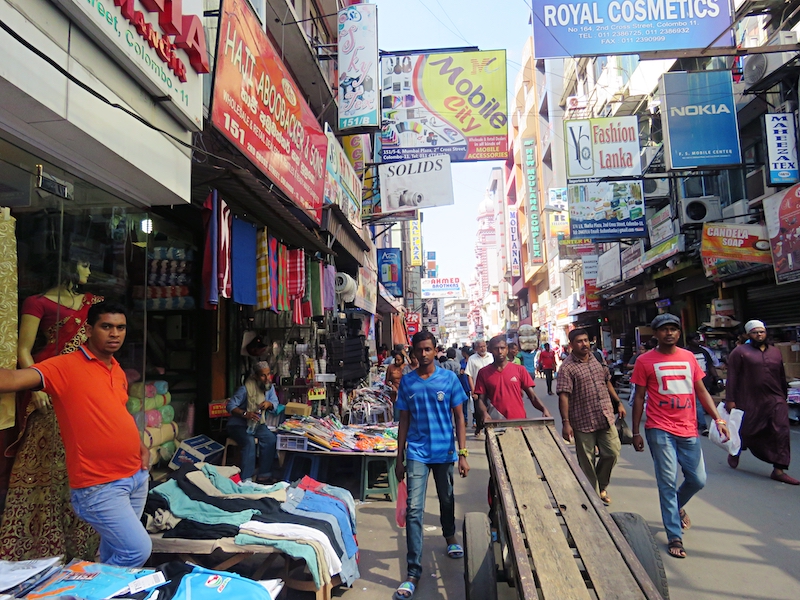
(776, 305)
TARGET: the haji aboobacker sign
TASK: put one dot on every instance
(563, 29)
(258, 107)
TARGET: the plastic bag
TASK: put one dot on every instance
(402, 504)
(733, 444)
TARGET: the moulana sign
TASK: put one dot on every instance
(566, 28)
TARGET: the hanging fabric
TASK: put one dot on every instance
(316, 271)
(283, 278)
(244, 244)
(210, 252)
(8, 310)
(224, 248)
(263, 298)
(329, 288)
(274, 274)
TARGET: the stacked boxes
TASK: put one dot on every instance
(790, 351)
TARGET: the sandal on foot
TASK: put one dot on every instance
(605, 497)
(686, 523)
(455, 551)
(675, 548)
(405, 591)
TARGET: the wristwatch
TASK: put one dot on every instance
(463, 452)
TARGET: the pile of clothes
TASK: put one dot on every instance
(307, 520)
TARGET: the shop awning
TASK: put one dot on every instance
(336, 223)
(243, 190)
(388, 304)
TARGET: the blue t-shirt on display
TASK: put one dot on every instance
(431, 436)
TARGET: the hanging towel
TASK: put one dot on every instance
(263, 298)
(296, 276)
(274, 273)
(315, 288)
(224, 248)
(329, 288)
(244, 241)
(210, 253)
(283, 278)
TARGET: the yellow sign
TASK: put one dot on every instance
(415, 242)
(317, 393)
(558, 222)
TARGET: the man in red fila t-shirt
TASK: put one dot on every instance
(673, 380)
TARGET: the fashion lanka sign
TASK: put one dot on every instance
(699, 117)
(605, 148)
(563, 29)
(162, 46)
(359, 93)
(260, 110)
(452, 103)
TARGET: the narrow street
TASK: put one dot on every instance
(744, 541)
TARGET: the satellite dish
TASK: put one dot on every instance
(755, 68)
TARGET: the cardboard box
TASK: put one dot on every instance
(790, 351)
(792, 370)
(199, 448)
(297, 408)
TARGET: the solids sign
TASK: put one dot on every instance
(159, 44)
(259, 108)
(567, 28)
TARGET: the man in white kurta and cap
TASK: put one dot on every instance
(757, 385)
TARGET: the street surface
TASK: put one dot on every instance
(744, 541)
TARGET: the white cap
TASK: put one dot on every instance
(750, 325)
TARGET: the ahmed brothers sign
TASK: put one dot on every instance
(566, 28)
(157, 42)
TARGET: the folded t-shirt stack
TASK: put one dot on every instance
(169, 281)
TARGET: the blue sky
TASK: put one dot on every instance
(489, 25)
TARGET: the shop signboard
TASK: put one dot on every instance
(530, 182)
(631, 260)
(557, 199)
(782, 213)
(602, 148)
(699, 115)
(257, 106)
(554, 273)
(558, 224)
(514, 243)
(575, 248)
(390, 270)
(449, 103)
(416, 184)
(590, 271)
(442, 287)
(739, 242)
(661, 226)
(160, 44)
(663, 251)
(359, 66)
(606, 210)
(563, 28)
(367, 290)
(415, 243)
(609, 267)
(413, 320)
(781, 137)
(342, 184)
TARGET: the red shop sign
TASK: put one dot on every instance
(259, 108)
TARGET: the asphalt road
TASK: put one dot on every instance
(744, 541)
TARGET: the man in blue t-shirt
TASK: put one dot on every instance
(429, 401)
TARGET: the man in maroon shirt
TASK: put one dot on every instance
(499, 386)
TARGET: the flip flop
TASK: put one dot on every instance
(676, 544)
(686, 523)
(455, 551)
(605, 497)
(404, 591)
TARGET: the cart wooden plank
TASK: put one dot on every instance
(605, 566)
(553, 560)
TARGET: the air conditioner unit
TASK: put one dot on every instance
(693, 211)
(656, 187)
(738, 212)
(759, 66)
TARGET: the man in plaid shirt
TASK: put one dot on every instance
(584, 400)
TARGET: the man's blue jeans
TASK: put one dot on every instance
(114, 509)
(417, 474)
(669, 451)
(267, 443)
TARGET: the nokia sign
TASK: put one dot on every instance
(699, 118)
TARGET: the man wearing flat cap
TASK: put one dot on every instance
(674, 382)
(757, 385)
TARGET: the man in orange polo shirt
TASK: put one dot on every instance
(106, 460)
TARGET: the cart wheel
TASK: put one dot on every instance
(636, 532)
(480, 572)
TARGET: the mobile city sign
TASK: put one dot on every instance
(359, 89)
(699, 117)
(442, 287)
(257, 106)
(450, 103)
(567, 28)
(157, 42)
